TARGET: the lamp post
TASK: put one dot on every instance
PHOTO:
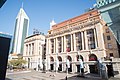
(67, 65)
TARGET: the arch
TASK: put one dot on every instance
(51, 59)
(78, 65)
(28, 62)
(60, 65)
(59, 58)
(79, 56)
(70, 59)
(51, 64)
(93, 68)
(92, 57)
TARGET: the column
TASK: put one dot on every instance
(95, 37)
(64, 43)
(74, 38)
(71, 42)
(86, 40)
(82, 36)
(54, 46)
(47, 48)
(31, 49)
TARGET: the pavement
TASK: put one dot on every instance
(38, 75)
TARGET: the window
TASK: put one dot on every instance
(111, 55)
(107, 31)
(108, 38)
(109, 45)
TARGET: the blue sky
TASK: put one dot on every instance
(41, 12)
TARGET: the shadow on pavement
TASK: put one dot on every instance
(86, 77)
(7, 79)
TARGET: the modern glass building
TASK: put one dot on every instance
(20, 32)
(110, 12)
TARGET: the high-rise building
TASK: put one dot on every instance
(110, 12)
(20, 32)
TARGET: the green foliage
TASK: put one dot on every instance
(18, 62)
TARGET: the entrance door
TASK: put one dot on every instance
(60, 67)
(110, 71)
(78, 68)
(51, 67)
(93, 69)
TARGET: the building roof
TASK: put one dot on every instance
(22, 13)
(78, 18)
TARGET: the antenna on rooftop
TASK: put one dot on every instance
(22, 5)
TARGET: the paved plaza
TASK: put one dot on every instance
(38, 75)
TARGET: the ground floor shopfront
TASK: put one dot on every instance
(89, 59)
(102, 67)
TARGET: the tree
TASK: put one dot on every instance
(18, 63)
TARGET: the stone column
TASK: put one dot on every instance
(86, 40)
(64, 43)
(31, 49)
(54, 46)
(71, 42)
(82, 36)
(95, 37)
(74, 38)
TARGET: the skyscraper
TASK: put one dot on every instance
(20, 32)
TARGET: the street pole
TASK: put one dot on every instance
(67, 64)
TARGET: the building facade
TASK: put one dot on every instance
(33, 51)
(5, 40)
(110, 12)
(84, 37)
(20, 32)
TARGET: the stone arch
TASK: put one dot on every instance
(28, 62)
(93, 68)
(78, 65)
(60, 65)
(79, 56)
(70, 59)
(92, 57)
(51, 63)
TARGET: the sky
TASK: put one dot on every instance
(41, 12)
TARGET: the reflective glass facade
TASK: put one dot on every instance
(110, 12)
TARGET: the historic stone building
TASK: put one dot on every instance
(34, 50)
(85, 36)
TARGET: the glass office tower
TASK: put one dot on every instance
(20, 32)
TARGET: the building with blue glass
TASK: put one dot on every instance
(110, 12)
(20, 32)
